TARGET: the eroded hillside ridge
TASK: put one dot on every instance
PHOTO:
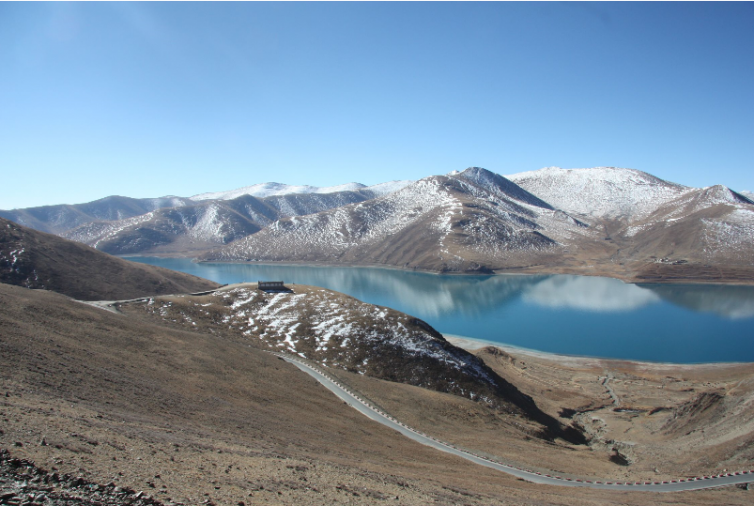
(339, 331)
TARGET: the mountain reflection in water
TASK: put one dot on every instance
(577, 315)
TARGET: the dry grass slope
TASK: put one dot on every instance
(190, 417)
(39, 260)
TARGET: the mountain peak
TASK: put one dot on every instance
(721, 194)
(501, 186)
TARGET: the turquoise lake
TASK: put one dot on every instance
(572, 315)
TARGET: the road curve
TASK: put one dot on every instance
(375, 414)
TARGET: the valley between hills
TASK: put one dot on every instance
(174, 399)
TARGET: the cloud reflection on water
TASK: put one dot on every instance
(733, 302)
(589, 294)
(432, 296)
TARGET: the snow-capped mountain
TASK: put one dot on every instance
(603, 220)
(205, 223)
(122, 225)
(713, 226)
(600, 191)
(179, 229)
(59, 218)
(264, 190)
(472, 221)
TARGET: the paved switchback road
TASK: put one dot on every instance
(375, 414)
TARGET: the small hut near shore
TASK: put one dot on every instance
(273, 287)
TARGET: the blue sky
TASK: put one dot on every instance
(148, 99)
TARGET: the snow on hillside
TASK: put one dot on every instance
(599, 191)
(263, 190)
(501, 186)
(345, 227)
(336, 331)
(334, 232)
(167, 201)
(379, 190)
(704, 198)
(749, 195)
(300, 204)
(96, 232)
(693, 201)
(208, 222)
(733, 234)
(439, 215)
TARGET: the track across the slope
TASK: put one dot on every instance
(353, 400)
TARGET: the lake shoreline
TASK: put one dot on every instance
(518, 271)
(472, 345)
(531, 270)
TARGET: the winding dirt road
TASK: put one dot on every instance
(353, 400)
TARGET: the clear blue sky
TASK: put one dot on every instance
(145, 99)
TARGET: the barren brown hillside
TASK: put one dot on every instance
(189, 417)
(38, 260)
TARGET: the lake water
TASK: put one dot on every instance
(572, 315)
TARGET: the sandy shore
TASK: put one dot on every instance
(472, 344)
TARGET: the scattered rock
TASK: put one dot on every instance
(24, 484)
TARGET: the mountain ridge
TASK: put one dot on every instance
(604, 220)
(262, 190)
(427, 224)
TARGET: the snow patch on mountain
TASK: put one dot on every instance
(339, 331)
(167, 201)
(690, 202)
(382, 189)
(265, 190)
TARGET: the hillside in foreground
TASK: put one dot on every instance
(188, 417)
(340, 332)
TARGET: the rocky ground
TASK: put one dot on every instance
(23, 483)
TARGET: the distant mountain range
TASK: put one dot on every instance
(604, 221)
(184, 226)
(457, 223)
